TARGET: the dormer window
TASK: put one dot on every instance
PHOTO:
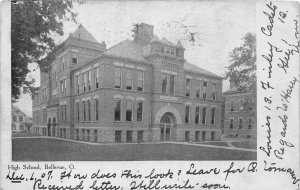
(168, 50)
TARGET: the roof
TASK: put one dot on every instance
(167, 42)
(16, 109)
(83, 34)
(195, 69)
(127, 49)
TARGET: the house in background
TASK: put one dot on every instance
(20, 121)
(240, 113)
(138, 90)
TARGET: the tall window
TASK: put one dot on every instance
(117, 77)
(197, 114)
(187, 114)
(15, 117)
(97, 77)
(65, 112)
(250, 123)
(213, 93)
(89, 110)
(90, 80)
(65, 61)
(65, 87)
(241, 104)
(96, 109)
(140, 81)
(204, 90)
(129, 111)
(232, 105)
(240, 123)
(231, 123)
(62, 113)
(251, 104)
(164, 84)
(77, 112)
(78, 84)
(44, 116)
(74, 58)
(187, 87)
(62, 87)
(213, 112)
(203, 116)
(84, 81)
(139, 113)
(172, 84)
(198, 91)
(84, 111)
(118, 110)
(21, 117)
(129, 79)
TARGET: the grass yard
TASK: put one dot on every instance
(214, 143)
(23, 134)
(42, 149)
(245, 144)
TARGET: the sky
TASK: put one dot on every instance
(218, 27)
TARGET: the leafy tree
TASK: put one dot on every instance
(242, 70)
(32, 24)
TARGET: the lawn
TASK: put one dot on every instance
(245, 144)
(23, 134)
(214, 143)
(40, 149)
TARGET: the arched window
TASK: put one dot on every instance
(129, 111)
(213, 113)
(118, 110)
(187, 114)
(140, 111)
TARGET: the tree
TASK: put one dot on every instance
(242, 70)
(32, 24)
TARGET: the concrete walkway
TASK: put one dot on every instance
(230, 146)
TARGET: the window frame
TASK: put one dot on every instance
(188, 87)
(187, 117)
(240, 123)
(213, 116)
(204, 92)
(96, 105)
(172, 86)
(250, 123)
(241, 105)
(137, 111)
(204, 115)
(84, 111)
(131, 110)
(77, 112)
(74, 58)
(140, 80)
(231, 124)
(197, 115)
(96, 73)
(119, 78)
(164, 86)
(120, 110)
(129, 78)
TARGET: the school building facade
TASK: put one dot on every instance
(136, 91)
(240, 113)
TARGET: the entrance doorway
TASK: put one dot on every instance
(166, 125)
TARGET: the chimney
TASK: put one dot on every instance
(232, 83)
(143, 33)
